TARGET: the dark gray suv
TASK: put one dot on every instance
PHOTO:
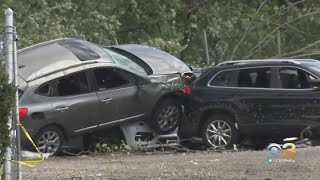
(69, 88)
(264, 100)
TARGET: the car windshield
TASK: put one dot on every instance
(126, 62)
(314, 67)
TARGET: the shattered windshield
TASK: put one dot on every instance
(126, 62)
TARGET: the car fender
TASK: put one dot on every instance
(199, 116)
(159, 92)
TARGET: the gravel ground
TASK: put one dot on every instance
(199, 165)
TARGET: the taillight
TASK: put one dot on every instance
(23, 112)
(187, 91)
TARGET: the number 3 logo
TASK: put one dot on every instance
(291, 149)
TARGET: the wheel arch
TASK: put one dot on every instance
(171, 95)
(59, 126)
(153, 114)
(214, 109)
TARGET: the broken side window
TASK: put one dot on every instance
(126, 62)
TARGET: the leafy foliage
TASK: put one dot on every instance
(236, 29)
(6, 99)
(106, 147)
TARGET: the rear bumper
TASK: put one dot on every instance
(187, 128)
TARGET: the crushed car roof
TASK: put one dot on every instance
(159, 61)
(57, 53)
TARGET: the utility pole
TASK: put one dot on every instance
(2, 53)
(279, 43)
(16, 113)
(115, 40)
(205, 41)
(7, 169)
(101, 38)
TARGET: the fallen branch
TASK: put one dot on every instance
(251, 52)
(302, 49)
(152, 21)
(304, 55)
(277, 13)
(247, 30)
(307, 129)
(300, 31)
(89, 153)
(267, 42)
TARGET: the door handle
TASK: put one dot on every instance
(106, 100)
(62, 108)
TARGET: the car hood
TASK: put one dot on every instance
(159, 61)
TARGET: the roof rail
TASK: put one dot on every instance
(43, 43)
(293, 61)
(67, 67)
(310, 60)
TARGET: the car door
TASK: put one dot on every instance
(75, 103)
(298, 100)
(256, 100)
(119, 96)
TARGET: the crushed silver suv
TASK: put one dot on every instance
(69, 88)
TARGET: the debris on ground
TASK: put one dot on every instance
(210, 165)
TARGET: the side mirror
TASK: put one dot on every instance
(315, 83)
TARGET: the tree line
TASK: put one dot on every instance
(236, 29)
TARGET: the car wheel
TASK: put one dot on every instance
(166, 117)
(219, 131)
(49, 140)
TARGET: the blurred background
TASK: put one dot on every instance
(231, 29)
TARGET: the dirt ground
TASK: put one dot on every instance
(163, 165)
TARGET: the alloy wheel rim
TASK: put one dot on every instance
(168, 117)
(49, 142)
(218, 133)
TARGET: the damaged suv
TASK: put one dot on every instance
(266, 99)
(69, 88)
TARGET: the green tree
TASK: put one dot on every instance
(236, 29)
(6, 99)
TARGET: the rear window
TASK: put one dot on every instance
(81, 51)
(44, 90)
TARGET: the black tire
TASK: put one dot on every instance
(160, 121)
(57, 138)
(224, 137)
